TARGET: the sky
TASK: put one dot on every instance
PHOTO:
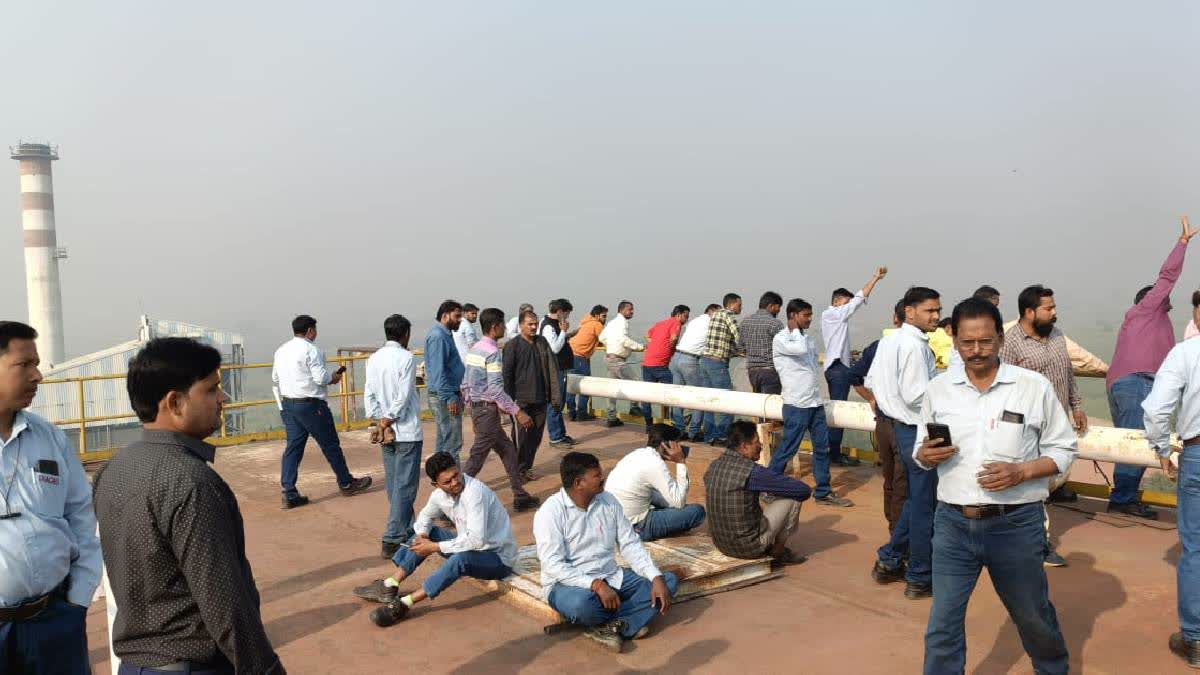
(235, 164)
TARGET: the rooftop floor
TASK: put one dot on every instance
(1116, 600)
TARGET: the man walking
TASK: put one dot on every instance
(685, 369)
(1008, 434)
(720, 344)
(49, 552)
(835, 332)
(390, 399)
(618, 346)
(583, 346)
(444, 371)
(300, 374)
(556, 329)
(660, 348)
(757, 332)
(466, 335)
(530, 380)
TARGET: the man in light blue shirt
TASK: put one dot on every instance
(466, 335)
(390, 398)
(49, 552)
(1008, 434)
(576, 531)
(795, 356)
(444, 370)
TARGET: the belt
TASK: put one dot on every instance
(680, 351)
(1191, 441)
(981, 511)
(303, 399)
(185, 666)
(480, 404)
(761, 368)
(31, 609)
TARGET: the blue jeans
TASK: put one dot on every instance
(401, 474)
(130, 669)
(715, 374)
(664, 522)
(837, 376)
(577, 404)
(660, 374)
(582, 606)
(449, 428)
(302, 419)
(1011, 547)
(1187, 517)
(474, 564)
(797, 421)
(1125, 398)
(685, 370)
(555, 426)
(914, 528)
(52, 642)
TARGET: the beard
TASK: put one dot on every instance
(1044, 329)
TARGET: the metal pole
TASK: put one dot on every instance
(82, 420)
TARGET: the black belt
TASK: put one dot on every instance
(305, 399)
(480, 404)
(761, 368)
(30, 609)
(981, 511)
(186, 666)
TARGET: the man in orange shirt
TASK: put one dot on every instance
(583, 345)
(660, 347)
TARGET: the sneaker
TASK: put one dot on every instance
(564, 442)
(356, 486)
(886, 575)
(916, 591)
(1135, 509)
(526, 503)
(1188, 649)
(614, 422)
(389, 550)
(833, 500)
(607, 635)
(377, 591)
(390, 614)
(845, 460)
(294, 502)
(1053, 559)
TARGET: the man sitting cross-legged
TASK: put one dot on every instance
(654, 501)
(481, 545)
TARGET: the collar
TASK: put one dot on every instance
(20, 423)
(570, 503)
(1007, 374)
(438, 325)
(914, 331)
(488, 339)
(198, 448)
(395, 345)
(302, 339)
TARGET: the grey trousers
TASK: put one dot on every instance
(783, 517)
(489, 436)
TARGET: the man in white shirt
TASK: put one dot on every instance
(653, 500)
(576, 531)
(795, 356)
(617, 348)
(1008, 434)
(466, 335)
(835, 332)
(300, 374)
(901, 371)
(685, 368)
(556, 328)
(390, 399)
(480, 546)
(513, 328)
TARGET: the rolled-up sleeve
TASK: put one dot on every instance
(1058, 440)
(1169, 383)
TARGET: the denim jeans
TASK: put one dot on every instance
(797, 421)
(449, 428)
(555, 427)
(582, 606)
(1125, 398)
(914, 528)
(301, 419)
(474, 564)
(837, 376)
(1187, 518)
(401, 474)
(577, 404)
(685, 370)
(53, 642)
(664, 522)
(715, 374)
(660, 374)
(1011, 547)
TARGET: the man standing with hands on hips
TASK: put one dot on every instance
(995, 434)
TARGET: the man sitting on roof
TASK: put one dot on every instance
(652, 499)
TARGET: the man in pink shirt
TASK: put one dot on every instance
(1145, 337)
(660, 347)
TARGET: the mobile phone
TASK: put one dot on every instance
(341, 370)
(941, 431)
(686, 450)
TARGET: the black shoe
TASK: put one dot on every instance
(833, 500)
(1134, 509)
(390, 614)
(608, 635)
(526, 503)
(1063, 494)
(614, 422)
(1053, 559)
(564, 442)
(356, 486)
(389, 550)
(574, 417)
(377, 591)
(845, 460)
(1188, 649)
(718, 442)
(636, 411)
(915, 591)
(294, 502)
(886, 575)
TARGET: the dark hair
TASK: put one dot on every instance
(1142, 294)
(468, 307)
(396, 327)
(15, 330)
(740, 433)
(680, 309)
(165, 365)
(659, 433)
(797, 305)
(729, 299)
(623, 304)
(447, 307)
(490, 317)
(561, 304)
(712, 306)
(840, 293)
(528, 312)
(574, 465)
(974, 308)
(437, 463)
(769, 298)
(1195, 298)
(898, 312)
(944, 323)
(985, 292)
(1031, 298)
(918, 294)
(597, 310)
(302, 324)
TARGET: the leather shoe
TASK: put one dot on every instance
(915, 591)
(356, 486)
(1188, 649)
(294, 502)
(390, 614)
(526, 503)
(833, 500)
(845, 460)
(389, 550)
(1135, 509)
(1063, 495)
(886, 575)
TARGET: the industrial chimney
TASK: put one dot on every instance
(42, 287)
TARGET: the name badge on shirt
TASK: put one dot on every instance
(47, 471)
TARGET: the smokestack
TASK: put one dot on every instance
(42, 288)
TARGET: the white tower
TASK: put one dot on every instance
(42, 288)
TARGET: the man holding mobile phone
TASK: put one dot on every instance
(653, 500)
(1010, 434)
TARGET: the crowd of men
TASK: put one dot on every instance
(969, 456)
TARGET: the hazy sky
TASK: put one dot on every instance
(233, 164)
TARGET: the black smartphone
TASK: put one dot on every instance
(941, 431)
(341, 370)
(686, 450)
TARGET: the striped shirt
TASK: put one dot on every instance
(757, 333)
(722, 339)
(484, 380)
(1048, 357)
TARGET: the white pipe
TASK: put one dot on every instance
(1104, 444)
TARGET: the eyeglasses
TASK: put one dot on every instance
(986, 344)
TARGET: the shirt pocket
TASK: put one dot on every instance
(49, 494)
(1004, 441)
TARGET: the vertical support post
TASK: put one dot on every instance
(82, 420)
(221, 383)
(766, 436)
(346, 401)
